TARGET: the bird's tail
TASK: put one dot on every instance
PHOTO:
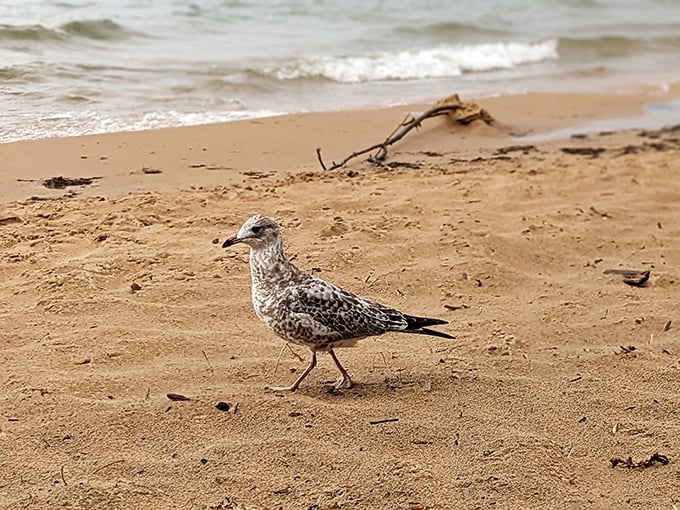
(419, 325)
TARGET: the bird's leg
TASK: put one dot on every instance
(294, 386)
(344, 379)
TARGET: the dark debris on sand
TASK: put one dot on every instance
(63, 182)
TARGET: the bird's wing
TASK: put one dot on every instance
(343, 312)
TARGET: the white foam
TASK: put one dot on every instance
(439, 62)
(66, 124)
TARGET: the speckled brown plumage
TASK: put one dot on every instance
(305, 310)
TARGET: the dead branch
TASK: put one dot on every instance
(400, 131)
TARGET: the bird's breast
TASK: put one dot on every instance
(266, 301)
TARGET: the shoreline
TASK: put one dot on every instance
(226, 153)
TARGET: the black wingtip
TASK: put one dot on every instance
(422, 322)
(419, 325)
(432, 332)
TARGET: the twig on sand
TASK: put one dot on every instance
(318, 156)
(100, 468)
(399, 132)
(386, 420)
(207, 361)
(278, 359)
(61, 471)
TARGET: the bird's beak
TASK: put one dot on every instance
(231, 241)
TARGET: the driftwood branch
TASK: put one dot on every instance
(399, 132)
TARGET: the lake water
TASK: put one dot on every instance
(76, 67)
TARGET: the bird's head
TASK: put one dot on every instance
(257, 232)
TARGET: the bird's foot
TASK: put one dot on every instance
(344, 381)
(290, 388)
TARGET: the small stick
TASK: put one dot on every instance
(318, 156)
(384, 360)
(62, 475)
(278, 359)
(351, 471)
(386, 420)
(207, 361)
(107, 465)
(373, 281)
(299, 358)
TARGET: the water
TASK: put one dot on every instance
(653, 115)
(89, 66)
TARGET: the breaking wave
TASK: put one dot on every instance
(439, 62)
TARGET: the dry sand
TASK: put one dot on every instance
(119, 294)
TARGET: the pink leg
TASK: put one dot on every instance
(294, 386)
(344, 379)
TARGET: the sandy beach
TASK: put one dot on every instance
(117, 293)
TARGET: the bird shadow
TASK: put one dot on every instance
(329, 392)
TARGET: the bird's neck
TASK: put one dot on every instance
(269, 264)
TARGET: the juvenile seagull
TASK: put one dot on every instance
(311, 312)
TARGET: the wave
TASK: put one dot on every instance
(28, 33)
(17, 74)
(450, 29)
(439, 62)
(98, 29)
(615, 46)
(101, 29)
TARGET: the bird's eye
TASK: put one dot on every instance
(256, 230)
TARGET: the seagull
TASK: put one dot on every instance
(308, 311)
